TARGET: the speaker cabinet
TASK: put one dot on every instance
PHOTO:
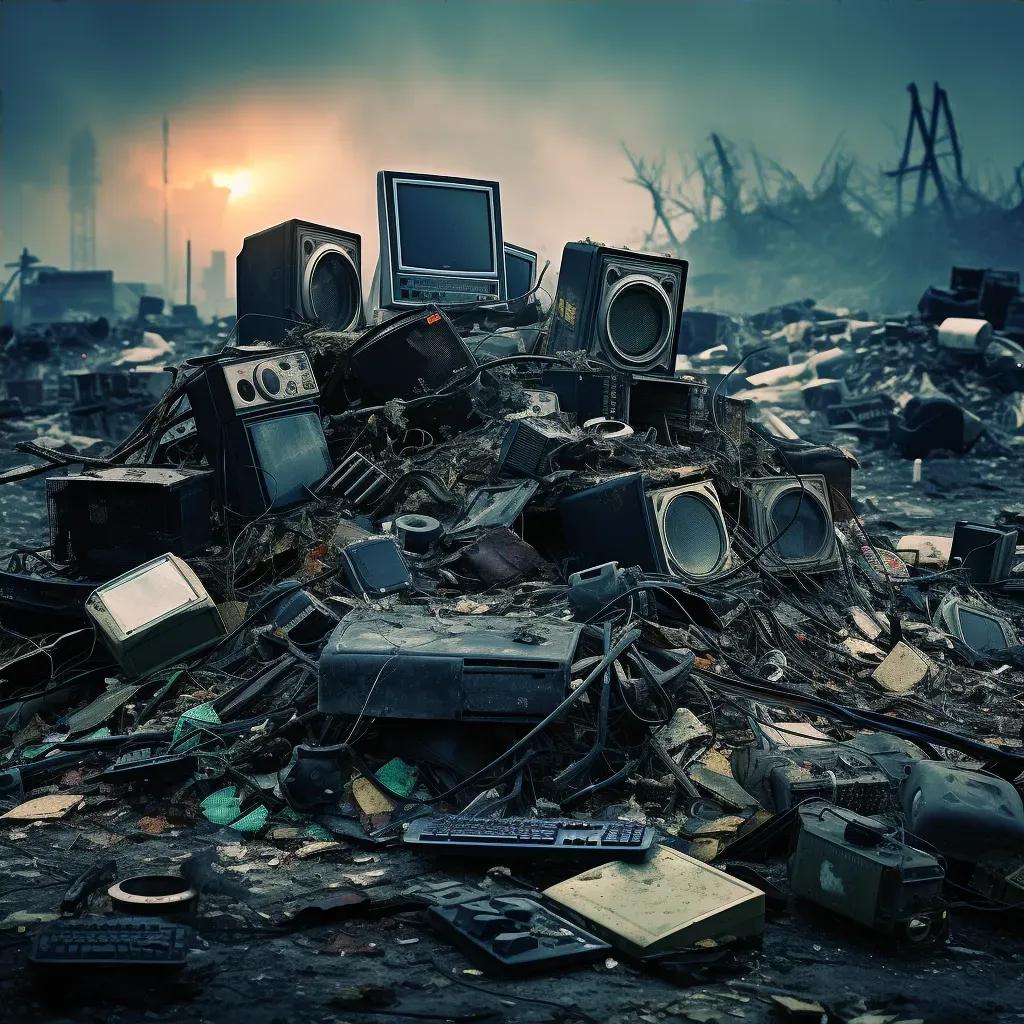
(621, 306)
(798, 520)
(297, 272)
(678, 531)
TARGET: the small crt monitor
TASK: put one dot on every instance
(974, 625)
(440, 240)
(289, 453)
(520, 270)
(155, 615)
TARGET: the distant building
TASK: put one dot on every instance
(215, 284)
(56, 293)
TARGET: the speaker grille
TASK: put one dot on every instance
(334, 295)
(638, 320)
(693, 535)
(411, 355)
(808, 533)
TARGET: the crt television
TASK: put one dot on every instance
(440, 240)
(520, 270)
(157, 614)
(275, 461)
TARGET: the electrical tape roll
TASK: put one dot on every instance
(608, 428)
(416, 533)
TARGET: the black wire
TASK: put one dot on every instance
(461, 382)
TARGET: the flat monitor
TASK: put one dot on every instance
(157, 614)
(520, 270)
(440, 240)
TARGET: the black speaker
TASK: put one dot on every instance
(415, 353)
(679, 531)
(298, 272)
(621, 306)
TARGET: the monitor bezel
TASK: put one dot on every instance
(530, 256)
(462, 184)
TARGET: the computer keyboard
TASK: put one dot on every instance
(121, 941)
(562, 837)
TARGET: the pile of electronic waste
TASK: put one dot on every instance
(556, 608)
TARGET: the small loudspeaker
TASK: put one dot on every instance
(621, 306)
(680, 531)
(413, 354)
(297, 272)
(795, 515)
(692, 529)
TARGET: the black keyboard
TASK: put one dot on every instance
(562, 837)
(121, 941)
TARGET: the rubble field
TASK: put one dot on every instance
(789, 657)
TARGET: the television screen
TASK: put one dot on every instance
(137, 600)
(982, 633)
(291, 454)
(518, 274)
(445, 228)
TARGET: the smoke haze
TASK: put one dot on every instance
(288, 109)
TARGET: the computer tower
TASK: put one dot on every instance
(298, 272)
(622, 307)
(587, 394)
(406, 664)
(794, 518)
(999, 289)
(109, 520)
(685, 409)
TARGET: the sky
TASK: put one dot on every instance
(289, 109)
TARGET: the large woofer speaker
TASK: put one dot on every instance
(622, 307)
(294, 273)
(794, 518)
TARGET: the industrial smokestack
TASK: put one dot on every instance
(188, 272)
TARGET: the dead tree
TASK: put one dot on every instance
(929, 167)
(650, 179)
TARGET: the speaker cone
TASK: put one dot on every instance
(637, 318)
(805, 535)
(330, 288)
(693, 535)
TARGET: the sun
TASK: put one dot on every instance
(240, 183)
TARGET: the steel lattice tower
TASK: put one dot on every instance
(82, 182)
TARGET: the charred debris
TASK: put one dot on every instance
(556, 593)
